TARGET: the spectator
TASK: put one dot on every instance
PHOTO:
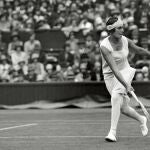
(73, 41)
(29, 26)
(94, 55)
(76, 65)
(18, 55)
(49, 73)
(96, 74)
(15, 41)
(83, 74)
(15, 76)
(132, 5)
(37, 15)
(146, 73)
(139, 76)
(144, 61)
(29, 46)
(89, 42)
(22, 68)
(79, 20)
(42, 24)
(59, 74)
(126, 15)
(69, 74)
(148, 41)
(73, 27)
(51, 15)
(79, 77)
(4, 69)
(66, 58)
(3, 45)
(31, 76)
(54, 73)
(4, 23)
(85, 25)
(60, 20)
(38, 66)
(103, 35)
(99, 16)
(15, 22)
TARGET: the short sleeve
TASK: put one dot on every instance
(105, 43)
(125, 42)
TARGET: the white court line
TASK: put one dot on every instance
(40, 137)
(51, 121)
(70, 122)
(77, 123)
(19, 126)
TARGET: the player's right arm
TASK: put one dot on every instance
(110, 61)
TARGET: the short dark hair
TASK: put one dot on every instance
(111, 21)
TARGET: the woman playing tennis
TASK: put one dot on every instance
(118, 75)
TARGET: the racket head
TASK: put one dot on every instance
(141, 105)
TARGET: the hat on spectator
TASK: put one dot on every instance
(14, 12)
(145, 69)
(49, 66)
(83, 66)
(112, 6)
(40, 78)
(133, 27)
(29, 21)
(115, 11)
(41, 19)
(104, 34)
(21, 61)
(25, 17)
(35, 56)
(14, 34)
(98, 20)
(58, 68)
(3, 57)
(126, 10)
(130, 19)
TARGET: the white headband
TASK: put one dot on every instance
(115, 25)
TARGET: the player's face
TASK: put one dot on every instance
(119, 32)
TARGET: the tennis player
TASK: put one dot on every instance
(118, 75)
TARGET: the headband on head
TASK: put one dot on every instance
(118, 23)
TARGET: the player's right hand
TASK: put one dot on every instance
(129, 88)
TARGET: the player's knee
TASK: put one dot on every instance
(116, 99)
(124, 109)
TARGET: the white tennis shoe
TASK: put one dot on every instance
(143, 126)
(110, 137)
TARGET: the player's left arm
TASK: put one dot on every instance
(137, 49)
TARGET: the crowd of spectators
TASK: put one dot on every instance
(80, 59)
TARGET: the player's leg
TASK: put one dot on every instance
(116, 102)
(130, 112)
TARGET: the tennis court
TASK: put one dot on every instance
(66, 129)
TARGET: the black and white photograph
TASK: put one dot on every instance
(74, 74)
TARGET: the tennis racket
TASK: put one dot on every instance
(141, 105)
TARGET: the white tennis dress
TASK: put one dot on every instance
(121, 59)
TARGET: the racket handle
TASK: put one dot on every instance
(134, 96)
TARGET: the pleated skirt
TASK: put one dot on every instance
(113, 85)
